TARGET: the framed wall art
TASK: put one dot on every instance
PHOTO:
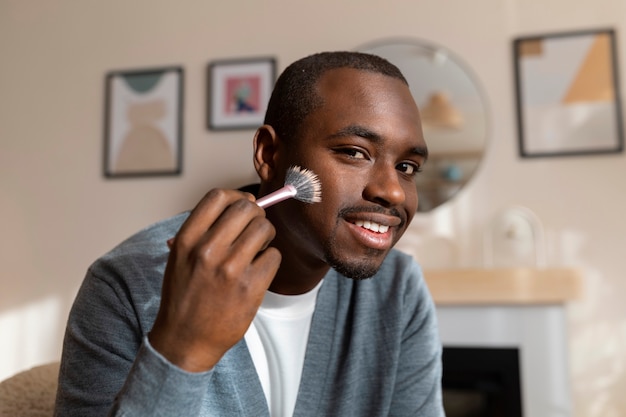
(568, 99)
(143, 122)
(238, 92)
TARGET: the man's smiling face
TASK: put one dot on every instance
(365, 143)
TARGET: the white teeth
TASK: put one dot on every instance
(374, 227)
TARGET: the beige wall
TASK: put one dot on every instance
(58, 213)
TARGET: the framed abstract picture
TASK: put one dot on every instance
(143, 122)
(238, 92)
(568, 98)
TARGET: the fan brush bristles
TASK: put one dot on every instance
(300, 183)
(306, 182)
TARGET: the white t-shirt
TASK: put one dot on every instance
(277, 340)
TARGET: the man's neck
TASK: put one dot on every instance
(288, 284)
(299, 272)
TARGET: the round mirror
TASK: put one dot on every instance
(454, 115)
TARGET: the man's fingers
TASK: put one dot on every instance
(206, 212)
(240, 218)
(254, 237)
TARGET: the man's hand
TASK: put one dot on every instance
(217, 273)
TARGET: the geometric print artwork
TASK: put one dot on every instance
(143, 132)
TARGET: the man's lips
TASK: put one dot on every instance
(371, 239)
(373, 230)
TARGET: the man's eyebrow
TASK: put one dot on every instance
(364, 132)
(358, 130)
(421, 151)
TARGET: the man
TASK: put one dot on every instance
(302, 309)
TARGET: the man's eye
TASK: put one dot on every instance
(408, 168)
(354, 153)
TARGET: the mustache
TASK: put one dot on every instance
(375, 209)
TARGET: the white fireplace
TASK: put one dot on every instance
(517, 309)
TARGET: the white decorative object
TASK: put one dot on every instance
(514, 238)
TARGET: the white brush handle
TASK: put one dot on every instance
(288, 191)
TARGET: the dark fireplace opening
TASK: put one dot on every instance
(481, 382)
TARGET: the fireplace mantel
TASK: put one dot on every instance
(502, 286)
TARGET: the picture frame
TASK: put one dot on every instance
(143, 128)
(568, 98)
(238, 92)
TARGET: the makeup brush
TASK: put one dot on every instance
(300, 183)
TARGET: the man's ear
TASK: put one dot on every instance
(266, 150)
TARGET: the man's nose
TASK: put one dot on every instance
(384, 187)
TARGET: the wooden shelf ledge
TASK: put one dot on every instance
(504, 285)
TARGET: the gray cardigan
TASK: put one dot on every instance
(373, 348)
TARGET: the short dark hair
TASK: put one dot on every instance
(295, 96)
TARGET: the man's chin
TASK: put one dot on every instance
(357, 270)
(355, 273)
(357, 263)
